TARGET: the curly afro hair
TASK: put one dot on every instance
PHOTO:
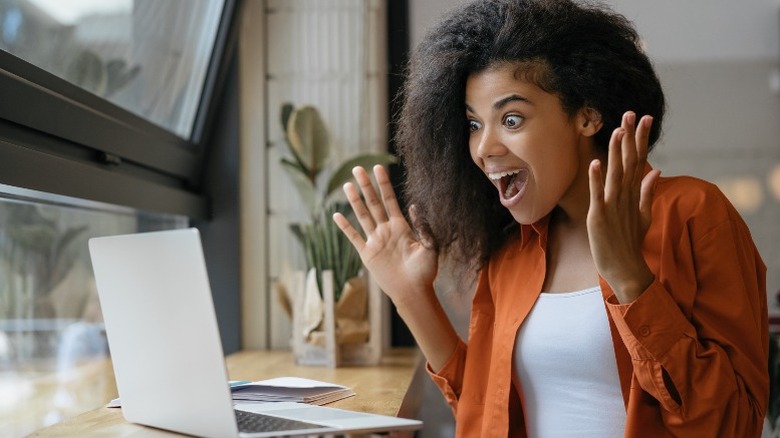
(590, 57)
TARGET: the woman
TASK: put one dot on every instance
(610, 301)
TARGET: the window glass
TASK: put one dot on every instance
(53, 351)
(149, 57)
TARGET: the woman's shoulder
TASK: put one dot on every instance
(689, 191)
(693, 201)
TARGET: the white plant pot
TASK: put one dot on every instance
(320, 338)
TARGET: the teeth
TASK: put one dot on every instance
(498, 175)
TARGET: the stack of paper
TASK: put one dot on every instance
(289, 389)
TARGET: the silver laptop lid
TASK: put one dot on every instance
(162, 331)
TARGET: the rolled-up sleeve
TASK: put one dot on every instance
(449, 378)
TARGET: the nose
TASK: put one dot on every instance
(488, 143)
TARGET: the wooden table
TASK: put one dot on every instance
(388, 388)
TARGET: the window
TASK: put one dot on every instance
(111, 100)
(107, 109)
(53, 351)
(146, 56)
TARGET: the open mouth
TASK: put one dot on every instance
(511, 184)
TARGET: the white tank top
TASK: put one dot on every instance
(565, 363)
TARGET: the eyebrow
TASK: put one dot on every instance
(513, 98)
(503, 102)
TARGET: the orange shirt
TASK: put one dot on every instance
(691, 351)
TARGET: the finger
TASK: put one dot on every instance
(596, 185)
(421, 230)
(387, 191)
(362, 214)
(374, 204)
(614, 165)
(647, 193)
(628, 148)
(355, 238)
(642, 145)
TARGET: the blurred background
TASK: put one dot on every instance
(189, 93)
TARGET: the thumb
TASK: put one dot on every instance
(421, 228)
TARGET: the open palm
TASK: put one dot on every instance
(400, 263)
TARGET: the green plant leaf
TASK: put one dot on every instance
(287, 109)
(298, 233)
(304, 186)
(296, 166)
(327, 248)
(308, 137)
(286, 112)
(344, 172)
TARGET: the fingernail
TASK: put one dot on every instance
(630, 117)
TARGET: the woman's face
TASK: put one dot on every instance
(535, 154)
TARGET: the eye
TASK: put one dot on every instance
(513, 121)
(474, 125)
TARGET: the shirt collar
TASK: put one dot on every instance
(539, 228)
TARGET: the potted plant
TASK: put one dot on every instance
(333, 265)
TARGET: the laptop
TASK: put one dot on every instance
(166, 350)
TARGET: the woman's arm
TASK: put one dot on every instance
(403, 265)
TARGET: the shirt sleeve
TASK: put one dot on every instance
(449, 378)
(705, 361)
(459, 368)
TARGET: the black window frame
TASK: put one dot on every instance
(58, 138)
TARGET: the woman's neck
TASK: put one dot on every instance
(569, 261)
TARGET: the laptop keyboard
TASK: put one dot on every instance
(252, 422)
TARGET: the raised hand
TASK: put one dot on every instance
(402, 265)
(620, 209)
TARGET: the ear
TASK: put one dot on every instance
(589, 121)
